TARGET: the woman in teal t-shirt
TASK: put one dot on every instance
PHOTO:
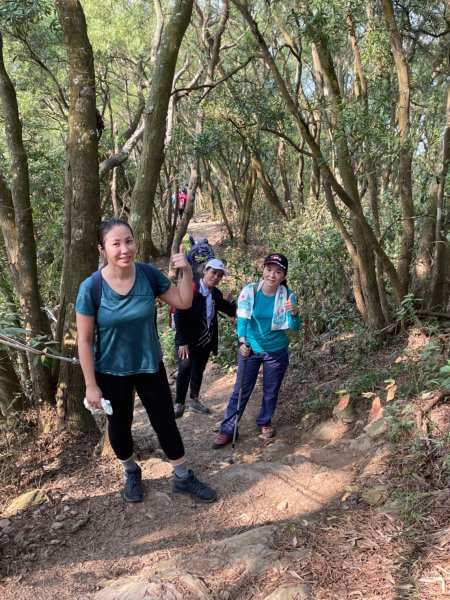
(266, 311)
(119, 352)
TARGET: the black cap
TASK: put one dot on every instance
(277, 259)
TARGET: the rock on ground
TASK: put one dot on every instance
(182, 577)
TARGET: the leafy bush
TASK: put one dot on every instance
(167, 340)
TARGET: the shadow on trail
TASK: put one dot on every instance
(114, 529)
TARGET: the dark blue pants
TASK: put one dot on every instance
(274, 367)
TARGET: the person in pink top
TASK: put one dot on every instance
(182, 199)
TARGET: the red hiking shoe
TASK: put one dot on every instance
(222, 439)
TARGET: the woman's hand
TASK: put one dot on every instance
(94, 396)
(183, 352)
(244, 350)
(291, 305)
(179, 260)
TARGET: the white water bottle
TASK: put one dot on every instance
(106, 406)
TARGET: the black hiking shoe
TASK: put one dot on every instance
(191, 485)
(132, 491)
(178, 409)
(195, 405)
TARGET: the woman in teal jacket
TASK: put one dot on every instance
(266, 311)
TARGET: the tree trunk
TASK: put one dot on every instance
(405, 160)
(82, 203)
(267, 186)
(440, 286)
(189, 208)
(281, 160)
(152, 156)
(11, 394)
(246, 210)
(18, 233)
(216, 199)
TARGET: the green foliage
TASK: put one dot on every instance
(167, 340)
(227, 352)
(406, 310)
(319, 270)
(21, 12)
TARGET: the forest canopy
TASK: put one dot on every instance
(320, 128)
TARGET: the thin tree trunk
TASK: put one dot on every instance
(152, 155)
(266, 184)
(405, 152)
(281, 159)
(246, 210)
(216, 198)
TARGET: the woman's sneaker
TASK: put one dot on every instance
(193, 486)
(195, 405)
(179, 410)
(267, 432)
(132, 491)
(222, 439)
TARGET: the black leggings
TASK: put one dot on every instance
(190, 371)
(154, 392)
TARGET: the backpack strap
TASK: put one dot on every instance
(96, 289)
(150, 272)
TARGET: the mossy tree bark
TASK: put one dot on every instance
(82, 203)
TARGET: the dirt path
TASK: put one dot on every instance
(286, 493)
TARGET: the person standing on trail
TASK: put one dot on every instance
(266, 311)
(119, 352)
(182, 199)
(197, 335)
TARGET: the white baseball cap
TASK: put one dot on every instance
(215, 263)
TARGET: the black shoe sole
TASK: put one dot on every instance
(202, 500)
(132, 500)
(199, 411)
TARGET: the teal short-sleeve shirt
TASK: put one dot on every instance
(126, 340)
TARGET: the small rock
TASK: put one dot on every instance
(66, 508)
(283, 505)
(361, 444)
(375, 495)
(54, 542)
(4, 523)
(163, 497)
(79, 524)
(377, 428)
(57, 525)
(60, 517)
(24, 501)
(290, 592)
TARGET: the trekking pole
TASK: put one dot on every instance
(238, 410)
